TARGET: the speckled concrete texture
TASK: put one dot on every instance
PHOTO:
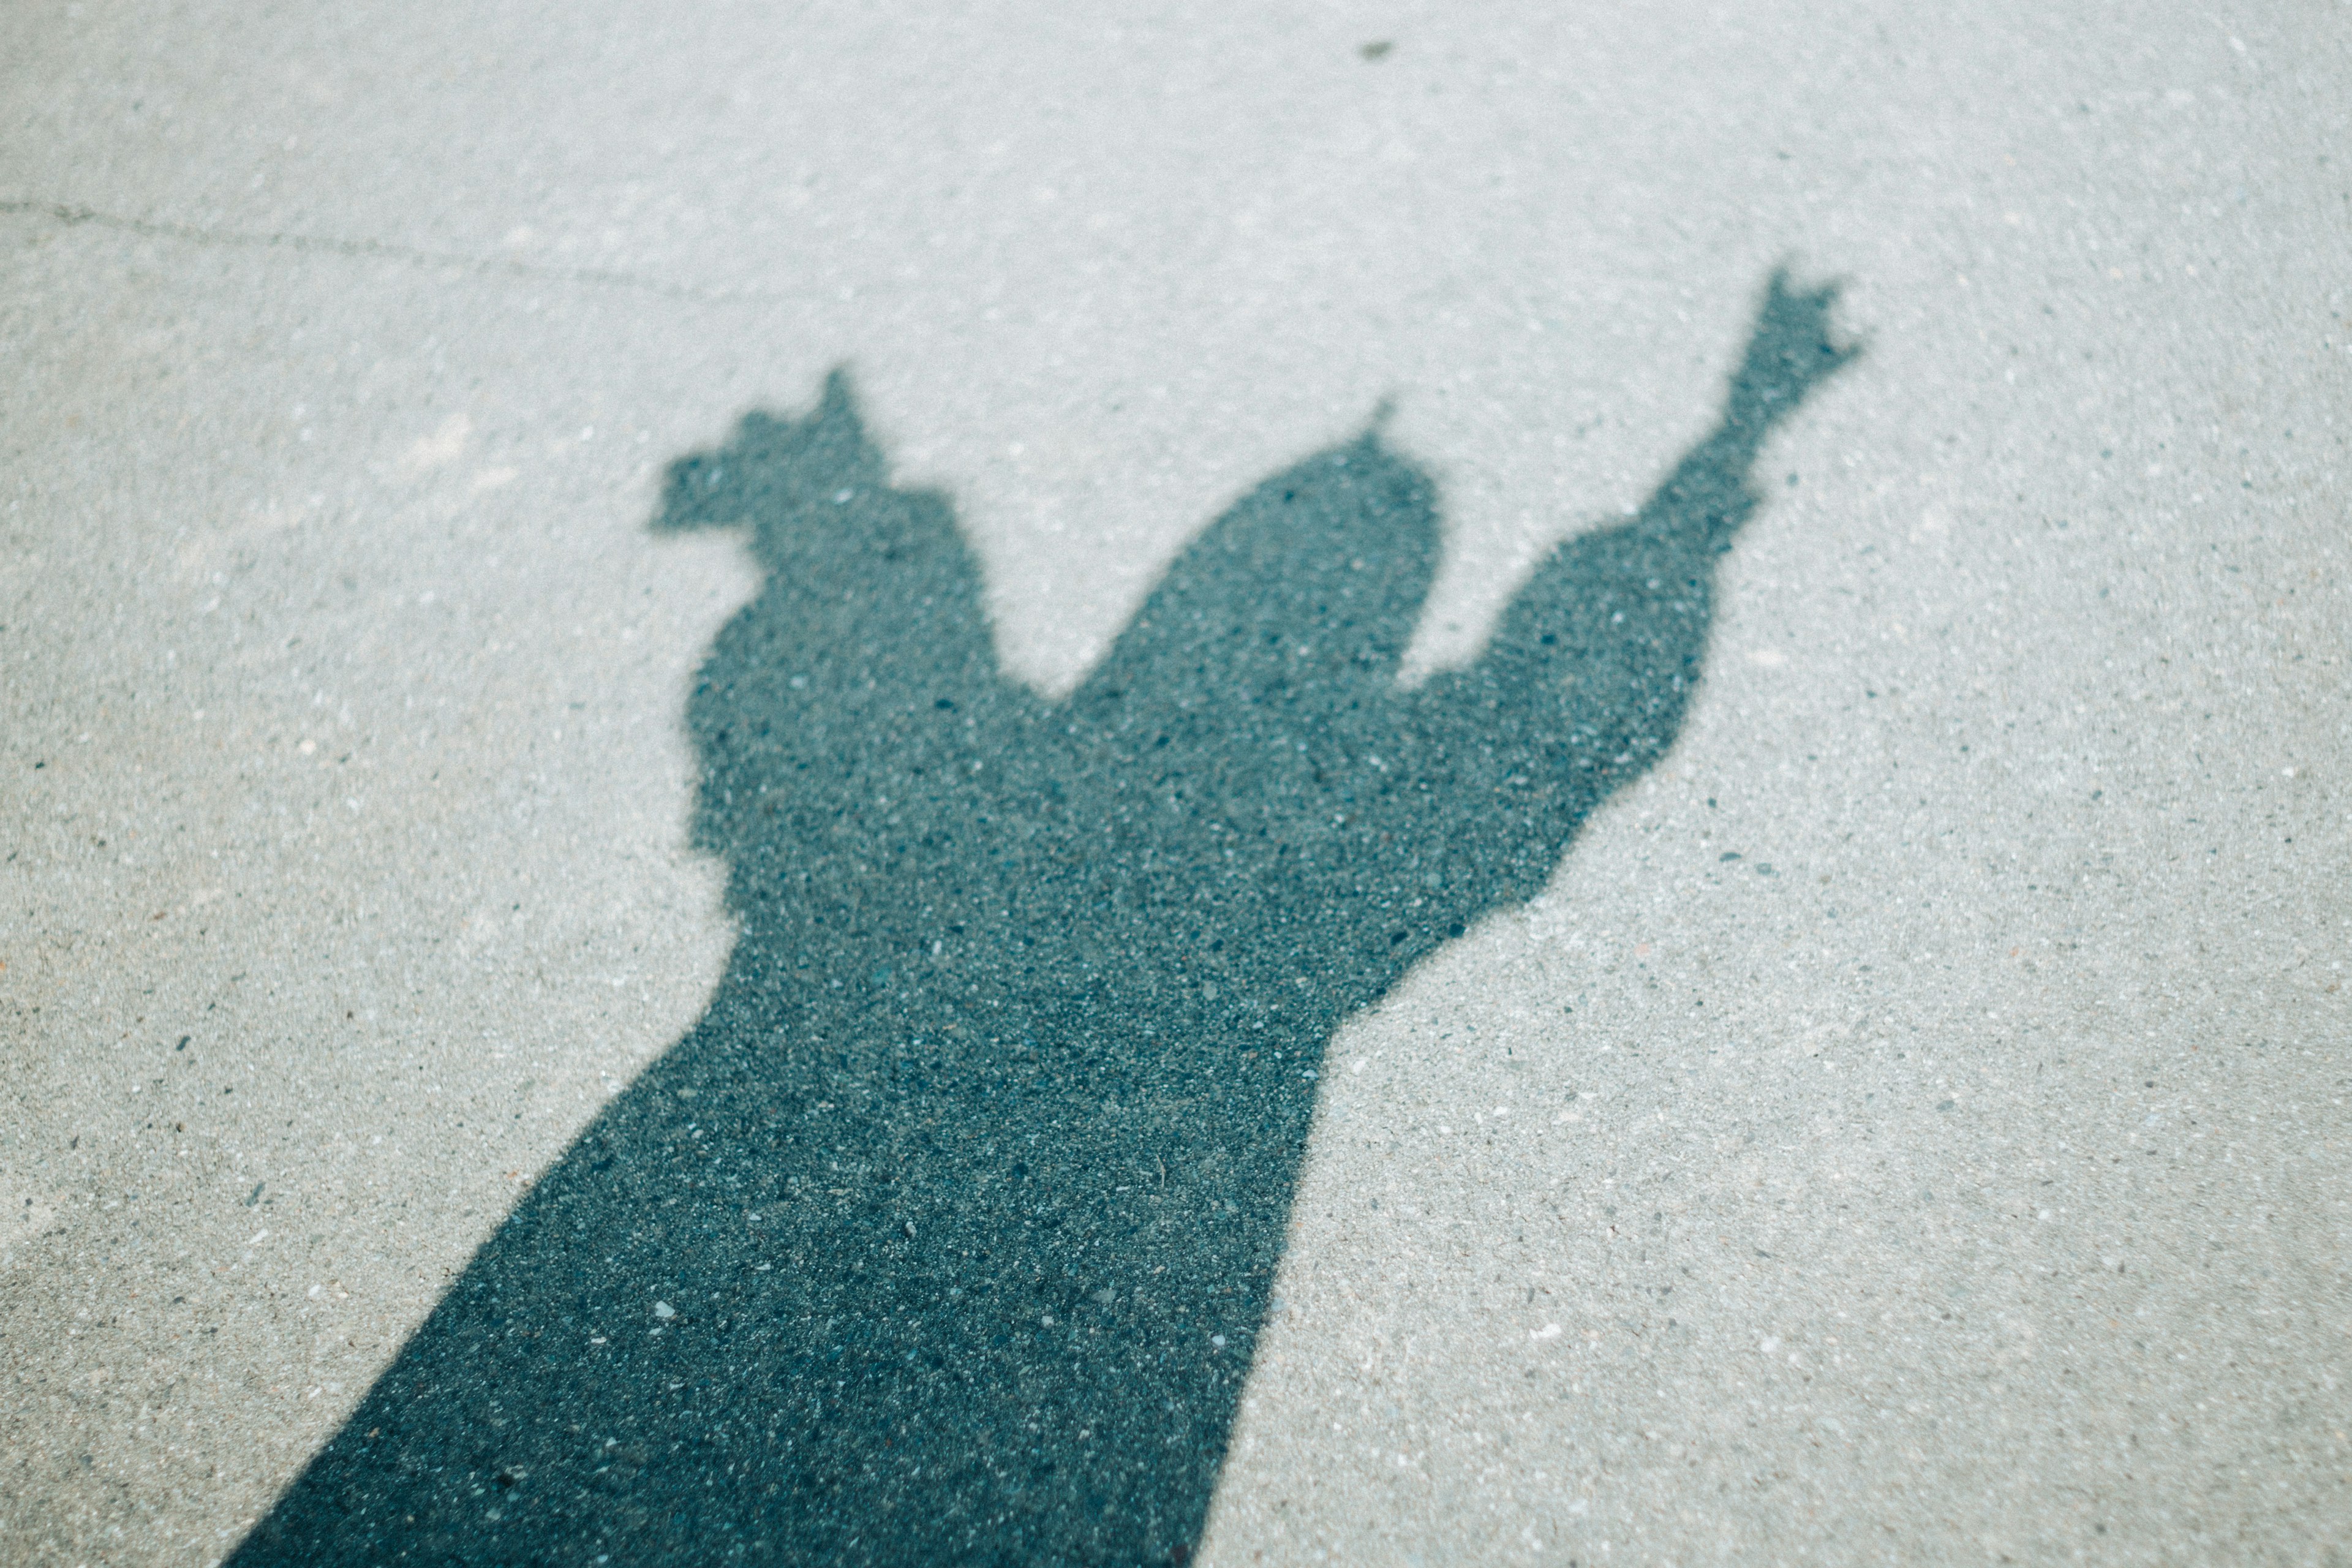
(1907, 1126)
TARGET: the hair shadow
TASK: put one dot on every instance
(946, 1234)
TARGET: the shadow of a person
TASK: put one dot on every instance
(945, 1235)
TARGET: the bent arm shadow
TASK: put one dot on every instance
(945, 1235)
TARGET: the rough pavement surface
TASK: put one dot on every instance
(1894, 1111)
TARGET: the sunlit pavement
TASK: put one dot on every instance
(1908, 1124)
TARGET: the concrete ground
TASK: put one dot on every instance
(1910, 1126)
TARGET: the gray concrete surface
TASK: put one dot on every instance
(1959, 1174)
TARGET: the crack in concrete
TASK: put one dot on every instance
(70, 216)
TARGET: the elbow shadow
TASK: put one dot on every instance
(947, 1232)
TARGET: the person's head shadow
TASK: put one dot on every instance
(946, 1234)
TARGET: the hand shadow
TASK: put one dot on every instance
(945, 1234)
